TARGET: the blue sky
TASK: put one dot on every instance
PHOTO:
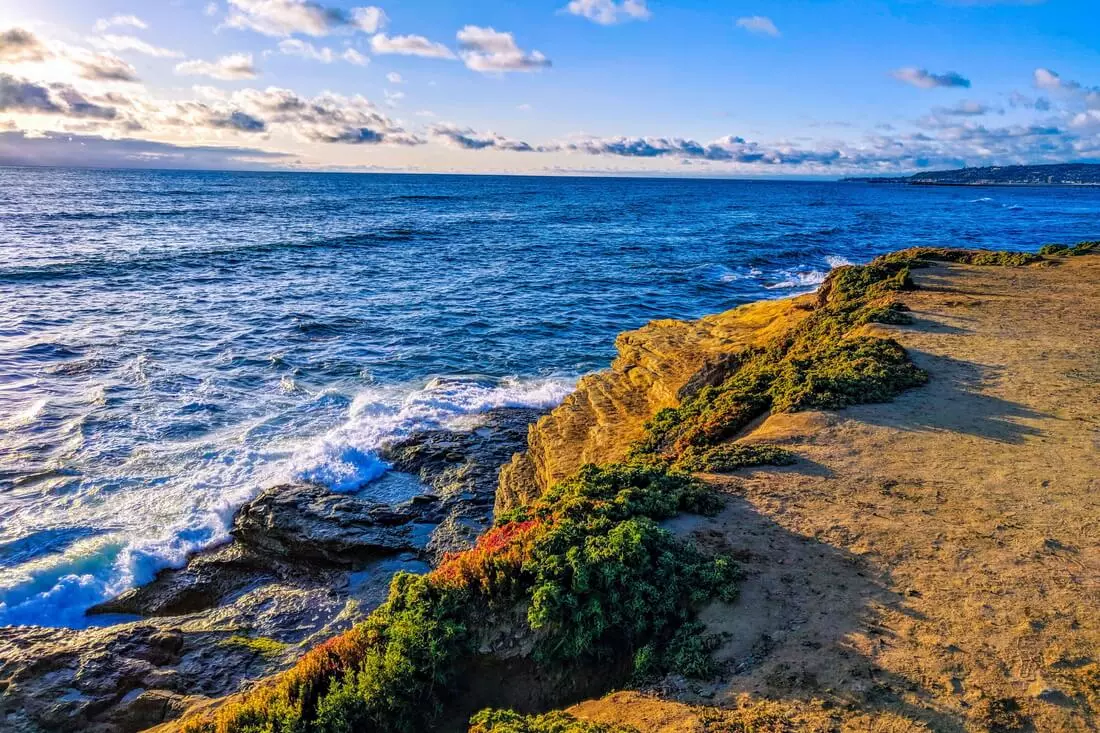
(810, 88)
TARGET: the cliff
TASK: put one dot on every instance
(927, 564)
(656, 367)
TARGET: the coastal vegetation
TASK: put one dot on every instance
(585, 573)
(587, 567)
(507, 721)
(1081, 248)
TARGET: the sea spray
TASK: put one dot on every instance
(145, 532)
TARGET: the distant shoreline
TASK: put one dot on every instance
(1063, 174)
(977, 184)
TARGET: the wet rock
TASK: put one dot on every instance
(308, 522)
(209, 578)
(462, 468)
(59, 679)
(453, 462)
(304, 564)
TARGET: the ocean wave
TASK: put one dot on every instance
(346, 458)
(54, 583)
(798, 279)
(838, 261)
(722, 273)
(24, 416)
(99, 265)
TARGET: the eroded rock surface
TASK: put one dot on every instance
(655, 367)
(303, 565)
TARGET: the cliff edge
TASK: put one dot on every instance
(656, 367)
(932, 563)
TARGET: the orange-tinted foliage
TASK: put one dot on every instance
(492, 562)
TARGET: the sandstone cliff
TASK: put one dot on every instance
(656, 366)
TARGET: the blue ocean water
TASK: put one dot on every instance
(173, 342)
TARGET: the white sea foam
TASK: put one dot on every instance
(797, 279)
(200, 485)
(837, 261)
(345, 458)
(25, 415)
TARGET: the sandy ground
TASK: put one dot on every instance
(931, 563)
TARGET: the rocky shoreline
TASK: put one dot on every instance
(304, 564)
(922, 562)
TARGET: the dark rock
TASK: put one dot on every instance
(308, 522)
(462, 469)
(209, 578)
(304, 564)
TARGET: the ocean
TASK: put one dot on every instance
(171, 343)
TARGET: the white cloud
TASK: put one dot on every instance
(106, 67)
(394, 78)
(524, 107)
(328, 118)
(758, 24)
(369, 19)
(965, 108)
(1072, 90)
(130, 43)
(210, 10)
(64, 100)
(1047, 79)
(924, 79)
(354, 57)
(609, 12)
(232, 67)
(287, 17)
(468, 139)
(409, 46)
(18, 46)
(120, 20)
(306, 50)
(490, 50)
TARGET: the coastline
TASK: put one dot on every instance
(661, 366)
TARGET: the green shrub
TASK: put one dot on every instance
(817, 364)
(894, 313)
(982, 257)
(596, 574)
(846, 372)
(687, 653)
(1081, 248)
(506, 721)
(722, 458)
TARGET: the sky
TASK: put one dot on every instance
(762, 88)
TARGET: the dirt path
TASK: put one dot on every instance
(935, 561)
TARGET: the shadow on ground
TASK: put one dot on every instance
(806, 614)
(955, 405)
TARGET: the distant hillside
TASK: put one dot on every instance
(1069, 174)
